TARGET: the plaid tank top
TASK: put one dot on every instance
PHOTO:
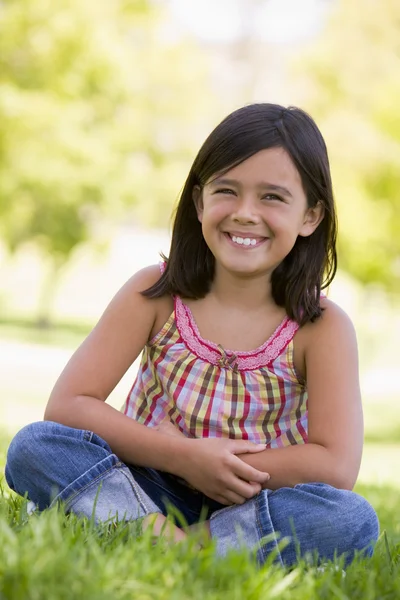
(207, 391)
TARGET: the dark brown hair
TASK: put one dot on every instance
(311, 264)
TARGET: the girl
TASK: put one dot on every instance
(247, 402)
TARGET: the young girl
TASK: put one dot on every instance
(247, 404)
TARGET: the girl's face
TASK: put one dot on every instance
(252, 214)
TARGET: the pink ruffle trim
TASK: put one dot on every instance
(214, 354)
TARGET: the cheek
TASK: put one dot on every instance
(277, 220)
(284, 221)
(215, 213)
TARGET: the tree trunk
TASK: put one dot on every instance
(47, 293)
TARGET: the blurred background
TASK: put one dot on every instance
(103, 106)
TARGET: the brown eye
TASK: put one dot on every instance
(272, 197)
(224, 191)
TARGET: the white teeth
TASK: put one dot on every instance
(244, 241)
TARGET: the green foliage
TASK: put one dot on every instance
(97, 111)
(99, 108)
(50, 555)
(354, 73)
(64, 557)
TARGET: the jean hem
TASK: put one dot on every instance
(247, 525)
(99, 476)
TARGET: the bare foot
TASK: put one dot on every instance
(202, 530)
(163, 527)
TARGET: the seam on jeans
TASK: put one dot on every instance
(261, 547)
(259, 499)
(87, 436)
(137, 491)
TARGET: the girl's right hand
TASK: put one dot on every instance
(212, 467)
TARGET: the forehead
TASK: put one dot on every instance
(272, 165)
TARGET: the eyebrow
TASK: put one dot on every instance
(263, 185)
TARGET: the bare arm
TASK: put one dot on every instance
(333, 452)
(78, 400)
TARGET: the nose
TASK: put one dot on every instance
(246, 211)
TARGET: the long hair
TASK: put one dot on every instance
(310, 266)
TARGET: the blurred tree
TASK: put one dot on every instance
(354, 75)
(99, 109)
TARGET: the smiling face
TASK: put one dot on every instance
(252, 214)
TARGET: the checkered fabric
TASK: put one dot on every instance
(207, 391)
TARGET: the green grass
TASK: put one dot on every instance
(63, 334)
(382, 421)
(63, 557)
(58, 557)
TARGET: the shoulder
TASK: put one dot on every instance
(116, 341)
(333, 322)
(141, 281)
(163, 306)
(144, 278)
(332, 331)
(130, 302)
(129, 296)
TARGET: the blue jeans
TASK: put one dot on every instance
(51, 463)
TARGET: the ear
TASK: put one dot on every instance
(198, 201)
(312, 219)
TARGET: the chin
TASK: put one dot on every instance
(243, 270)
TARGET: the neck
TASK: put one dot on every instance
(235, 291)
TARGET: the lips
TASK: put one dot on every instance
(246, 234)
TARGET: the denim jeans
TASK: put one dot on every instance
(51, 463)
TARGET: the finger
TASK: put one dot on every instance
(243, 447)
(249, 473)
(229, 497)
(256, 447)
(256, 487)
(221, 499)
(234, 498)
(239, 495)
(243, 488)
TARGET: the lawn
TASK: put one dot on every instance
(52, 556)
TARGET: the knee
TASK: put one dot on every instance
(318, 518)
(23, 444)
(344, 522)
(359, 525)
(30, 445)
(46, 457)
